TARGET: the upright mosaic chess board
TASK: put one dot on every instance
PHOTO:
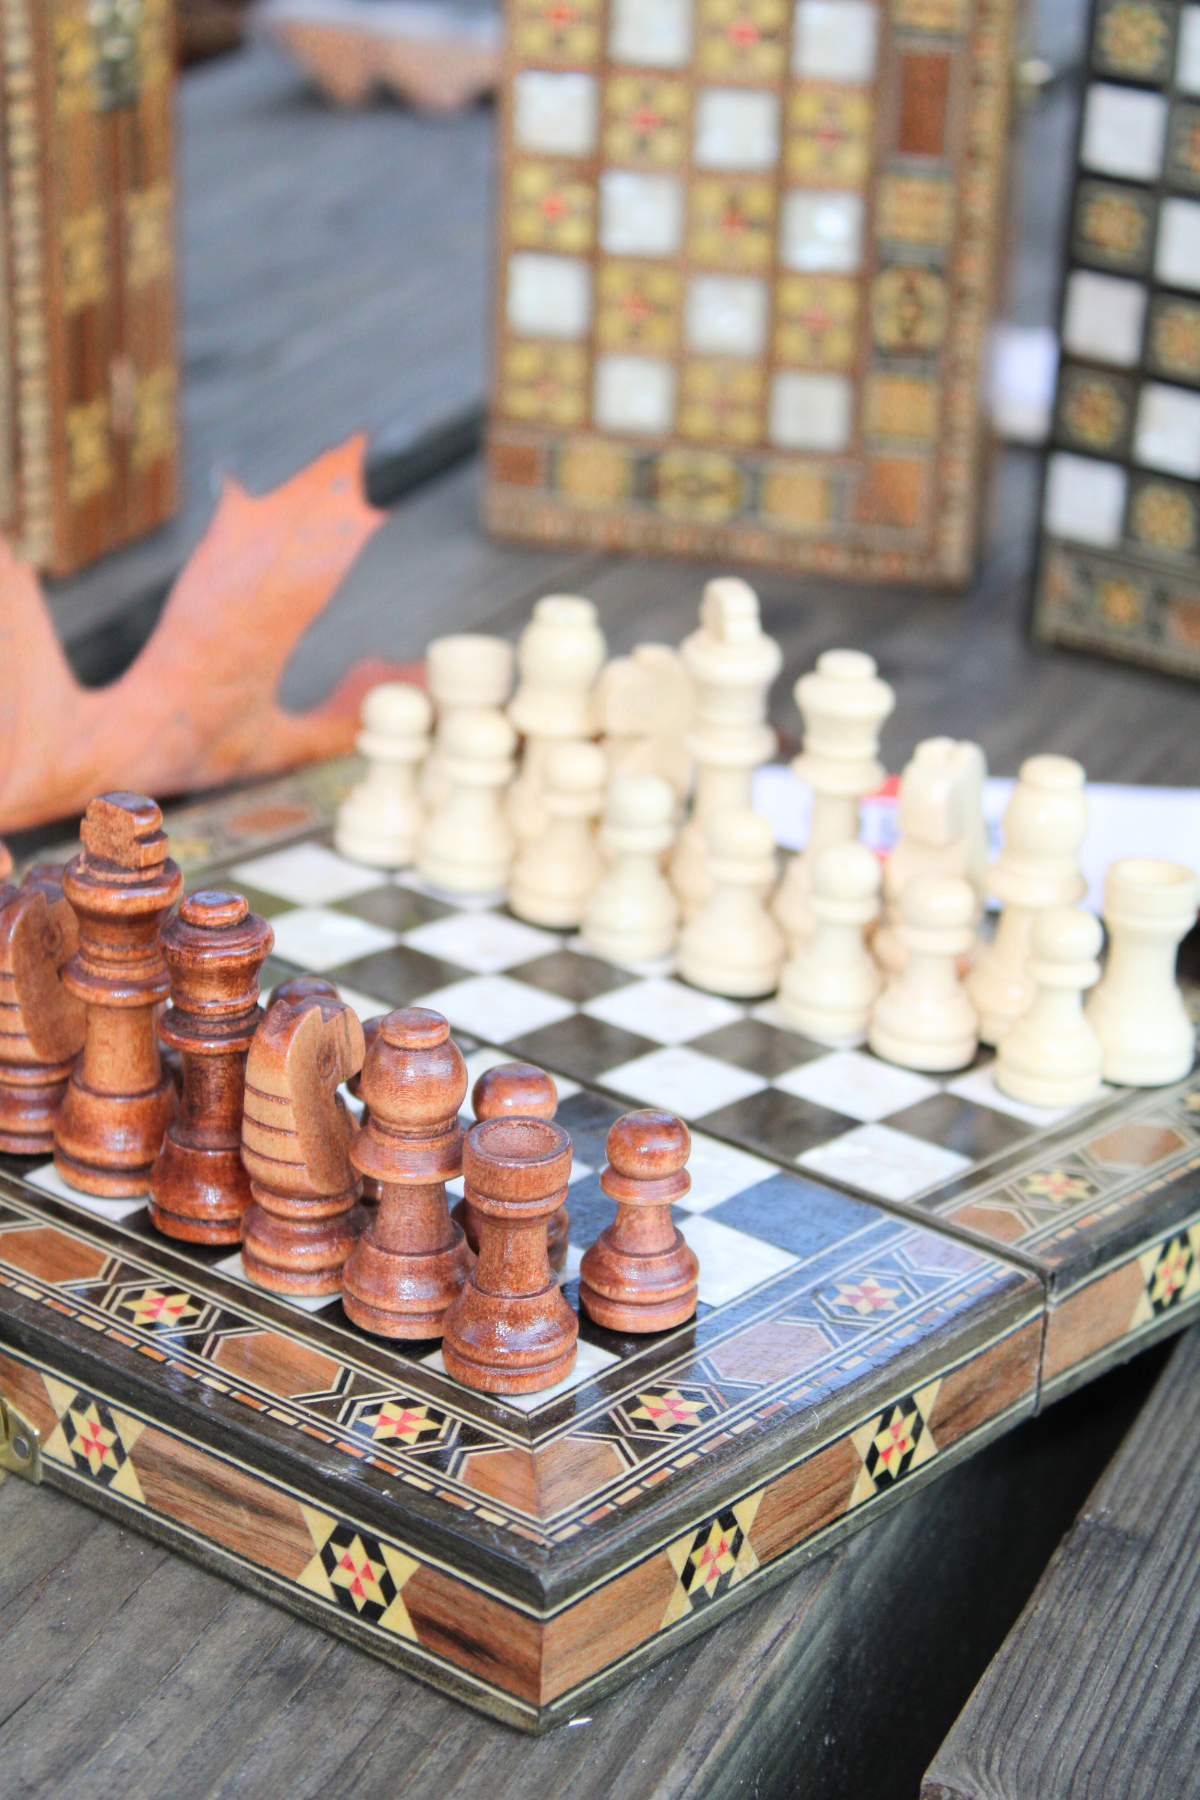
(747, 252)
(893, 1270)
(1120, 558)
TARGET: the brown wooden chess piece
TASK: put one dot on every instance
(516, 1090)
(511, 1331)
(301, 987)
(296, 1137)
(412, 1260)
(639, 1275)
(41, 1024)
(370, 1187)
(214, 947)
(118, 1102)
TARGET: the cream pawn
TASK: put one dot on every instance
(633, 915)
(560, 654)
(843, 704)
(923, 1019)
(733, 946)
(379, 820)
(1044, 826)
(467, 846)
(1051, 1056)
(1137, 1011)
(830, 984)
(553, 878)
(466, 673)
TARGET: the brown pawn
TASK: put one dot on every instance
(639, 1275)
(511, 1331)
(301, 987)
(41, 1024)
(516, 1090)
(119, 1102)
(296, 1137)
(214, 947)
(412, 1260)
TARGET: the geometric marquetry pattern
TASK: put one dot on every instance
(399, 1419)
(712, 1559)
(358, 1572)
(1170, 1274)
(894, 1443)
(670, 1409)
(94, 1437)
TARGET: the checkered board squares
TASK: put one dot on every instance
(746, 252)
(1120, 556)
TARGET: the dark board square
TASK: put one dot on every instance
(395, 908)
(1183, 148)
(587, 1119)
(1163, 517)
(1134, 39)
(1173, 338)
(1094, 411)
(590, 1210)
(776, 1124)
(762, 1049)
(572, 976)
(581, 1046)
(798, 1215)
(267, 906)
(956, 1124)
(1114, 226)
(398, 976)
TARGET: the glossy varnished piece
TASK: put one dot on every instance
(516, 1090)
(511, 1331)
(41, 1024)
(370, 1187)
(412, 1259)
(214, 947)
(119, 1101)
(296, 1134)
(639, 1275)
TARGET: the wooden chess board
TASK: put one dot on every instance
(892, 1271)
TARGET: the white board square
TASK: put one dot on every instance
(548, 296)
(726, 315)
(483, 941)
(860, 1086)
(821, 232)
(634, 394)
(980, 1087)
(1123, 131)
(1166, 434)
(663, 1010)
(554, 114)
(835, 40)
(1103, 318)
(731, 1261)
(308, 875)
(496, 1007)
(1085, 500)
(810, 412)
(1187, 60)
(314, 937)
(719, 1171)
(640, 215)
(887, 1163)
(1177, 255)
(683, 1081)
(736, 128)
(654, 33)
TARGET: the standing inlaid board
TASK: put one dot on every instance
(1120, 559)
(88, 436)
(747, 250)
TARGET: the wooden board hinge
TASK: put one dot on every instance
(20, 1446)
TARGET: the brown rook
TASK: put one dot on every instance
(41, 1024)
(214, 947)
(296, 1134)
(412, 1259)
(639, 1275)
(516, 1090)
(511, 1331)
(119, 1102)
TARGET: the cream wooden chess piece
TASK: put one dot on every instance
(1052, 1056)
(940, 815)
(1038, 866)
(466, 847)
(923, 1019)
(553, 877)
(843, 704)
(379, 820)
(1137, 1012)
(732, 663)
(633, 915)
(733, 946)
(830, 983)
(560, 654)
(647, 704)
(466, 673)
